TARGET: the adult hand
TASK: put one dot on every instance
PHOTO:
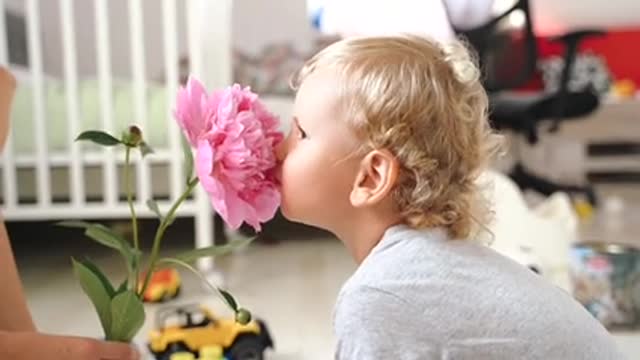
(37, 346)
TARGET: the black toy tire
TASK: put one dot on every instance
(247, 347)
(174, 348)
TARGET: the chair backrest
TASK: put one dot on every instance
(507, 52)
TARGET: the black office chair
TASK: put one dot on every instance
(508, 59)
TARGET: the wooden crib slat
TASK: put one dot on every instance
(67, 22)
(215, 41)
(103, 51)
(204, 225)
(170, 31)
(139, 85)
(43, 173)
(194, 40)
(9, 182)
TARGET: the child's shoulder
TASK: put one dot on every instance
(407, 259)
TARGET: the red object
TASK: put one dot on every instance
(162, 276)
(618, 47)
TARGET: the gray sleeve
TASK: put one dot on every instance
(368, 326)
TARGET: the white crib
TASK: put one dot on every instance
(48, 176)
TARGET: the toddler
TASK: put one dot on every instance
(388, 139)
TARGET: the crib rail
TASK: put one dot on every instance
(139, 85)
(73, 157)
(208, 31)
(103, 52)
(171, 74)
(73, 108)
(35, 51)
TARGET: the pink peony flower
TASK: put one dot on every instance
(234, 136)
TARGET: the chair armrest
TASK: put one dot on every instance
(571, 40)
(574, 37)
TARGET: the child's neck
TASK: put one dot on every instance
(360, 235)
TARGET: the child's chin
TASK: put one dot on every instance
(291, 215)
(286, 212)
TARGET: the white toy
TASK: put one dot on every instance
(537, 237)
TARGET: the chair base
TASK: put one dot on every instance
(528, 181)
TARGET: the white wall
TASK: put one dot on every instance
(119, 35)
(556, 16)
(256, 23)
(550, 16)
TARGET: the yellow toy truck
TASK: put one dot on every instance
(190, 328)
(206, 353)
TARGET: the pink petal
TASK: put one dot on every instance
(238, 211)
(266, 204)
(235, 136)
(189, 110)
(204, 167)
(227, 109)
(218, 201)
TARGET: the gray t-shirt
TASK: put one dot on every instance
(421, 296)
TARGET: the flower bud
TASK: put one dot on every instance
(133, 138)
(243, 316)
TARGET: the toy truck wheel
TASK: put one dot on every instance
(174, 348)
(247, 347)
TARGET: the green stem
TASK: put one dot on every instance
(134, 220)
(155, 250)
(198, 274)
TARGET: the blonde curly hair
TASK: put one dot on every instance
(422, 101)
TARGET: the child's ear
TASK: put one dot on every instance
(375, 179)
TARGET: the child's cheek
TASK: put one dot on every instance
(295, 181)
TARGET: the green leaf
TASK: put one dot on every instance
(153, 206)
(127, 316)
(103, 278)
(99, 137)
(215, 250)
(188, 158)
(145, 149)
(94, 287)
(123, 286)
(97, 232)
(107, 237)
(229, 299)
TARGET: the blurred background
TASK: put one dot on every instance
(564, 85)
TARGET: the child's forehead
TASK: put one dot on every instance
(322, 80)
(320, 91)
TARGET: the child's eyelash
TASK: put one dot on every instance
(303, 133)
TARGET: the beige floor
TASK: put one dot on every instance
(291, 284)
